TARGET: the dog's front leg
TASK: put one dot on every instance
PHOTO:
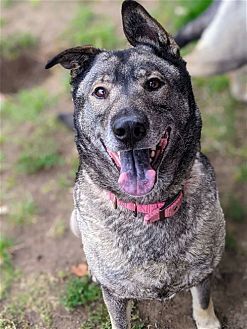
(118, 309)
(203, 309)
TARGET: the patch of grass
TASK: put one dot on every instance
(7, 324)
(10, 182)
(219, 116)
(64, 181)
(214, 84)
(13, 45)
(14, 311)
(35, 2)
(89, 28)
(135, 319)
(7, 3)
(49, 186)
(57, 229)
(2, 22)
(27, 105)
(231, 242)
(235, 210)
(40, 151)
(7, 272)
(98, 318)
(5, 244)
(32, 297)
(230, 120)
(24, 212)
(80, 291)
(2, 159)
(74, 163)
(67, 180)
(240, 152)
(181, 11)
(241, 175)
(43, 159)
(192, 9)
(2, 139)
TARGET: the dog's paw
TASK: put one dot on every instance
(207, 321)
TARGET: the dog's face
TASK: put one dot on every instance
(137, 124)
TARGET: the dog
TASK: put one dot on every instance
(146, 205)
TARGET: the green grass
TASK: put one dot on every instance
(2, 160)
(57, 229)
(34, 296)
(2, 22)
(7, 3)
(235, 210)
(35, 2)
(7, 272)
(24, 212)
(39, 157)
(41, 150)
(181, 11)
(80, 291)
(216, 84)
(192, 9)
(218, 111)
(27, 105)
(67, 179)
(5, 244)
(2, 139)
(89, 28)
(13, 45)
(241, 175)
(231, 242)
(97, 318)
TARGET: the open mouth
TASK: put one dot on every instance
(138, 168)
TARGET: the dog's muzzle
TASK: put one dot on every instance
(138, 167)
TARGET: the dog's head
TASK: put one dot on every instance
(138, 128)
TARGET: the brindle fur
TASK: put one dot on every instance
(132, 259)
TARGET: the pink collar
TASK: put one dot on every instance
(153, 211)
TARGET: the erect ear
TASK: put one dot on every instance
(74, 58)
(142, 29)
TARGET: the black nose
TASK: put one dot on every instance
(129, 129)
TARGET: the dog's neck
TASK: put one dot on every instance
(154, 211)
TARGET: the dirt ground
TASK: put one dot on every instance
(44, 247)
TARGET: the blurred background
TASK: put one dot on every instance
(44, 282)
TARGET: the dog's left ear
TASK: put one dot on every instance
(142, 29)
(75, 58)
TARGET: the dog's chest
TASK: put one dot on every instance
(138, 260)
(135, 259)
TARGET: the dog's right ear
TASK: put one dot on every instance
(74, 58)
(142, 29)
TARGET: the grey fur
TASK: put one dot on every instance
(130, 258)
(204, 292)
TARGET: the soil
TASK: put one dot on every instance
(25, 72)
(38, 253)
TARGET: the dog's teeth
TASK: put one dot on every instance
(152, 154)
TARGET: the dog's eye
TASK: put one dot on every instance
(153, 84)
(100, 92)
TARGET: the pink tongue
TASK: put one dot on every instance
(137, 176)
(135, 186)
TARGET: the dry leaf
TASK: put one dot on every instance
(80, 270)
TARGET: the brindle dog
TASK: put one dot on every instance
(146, 202)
